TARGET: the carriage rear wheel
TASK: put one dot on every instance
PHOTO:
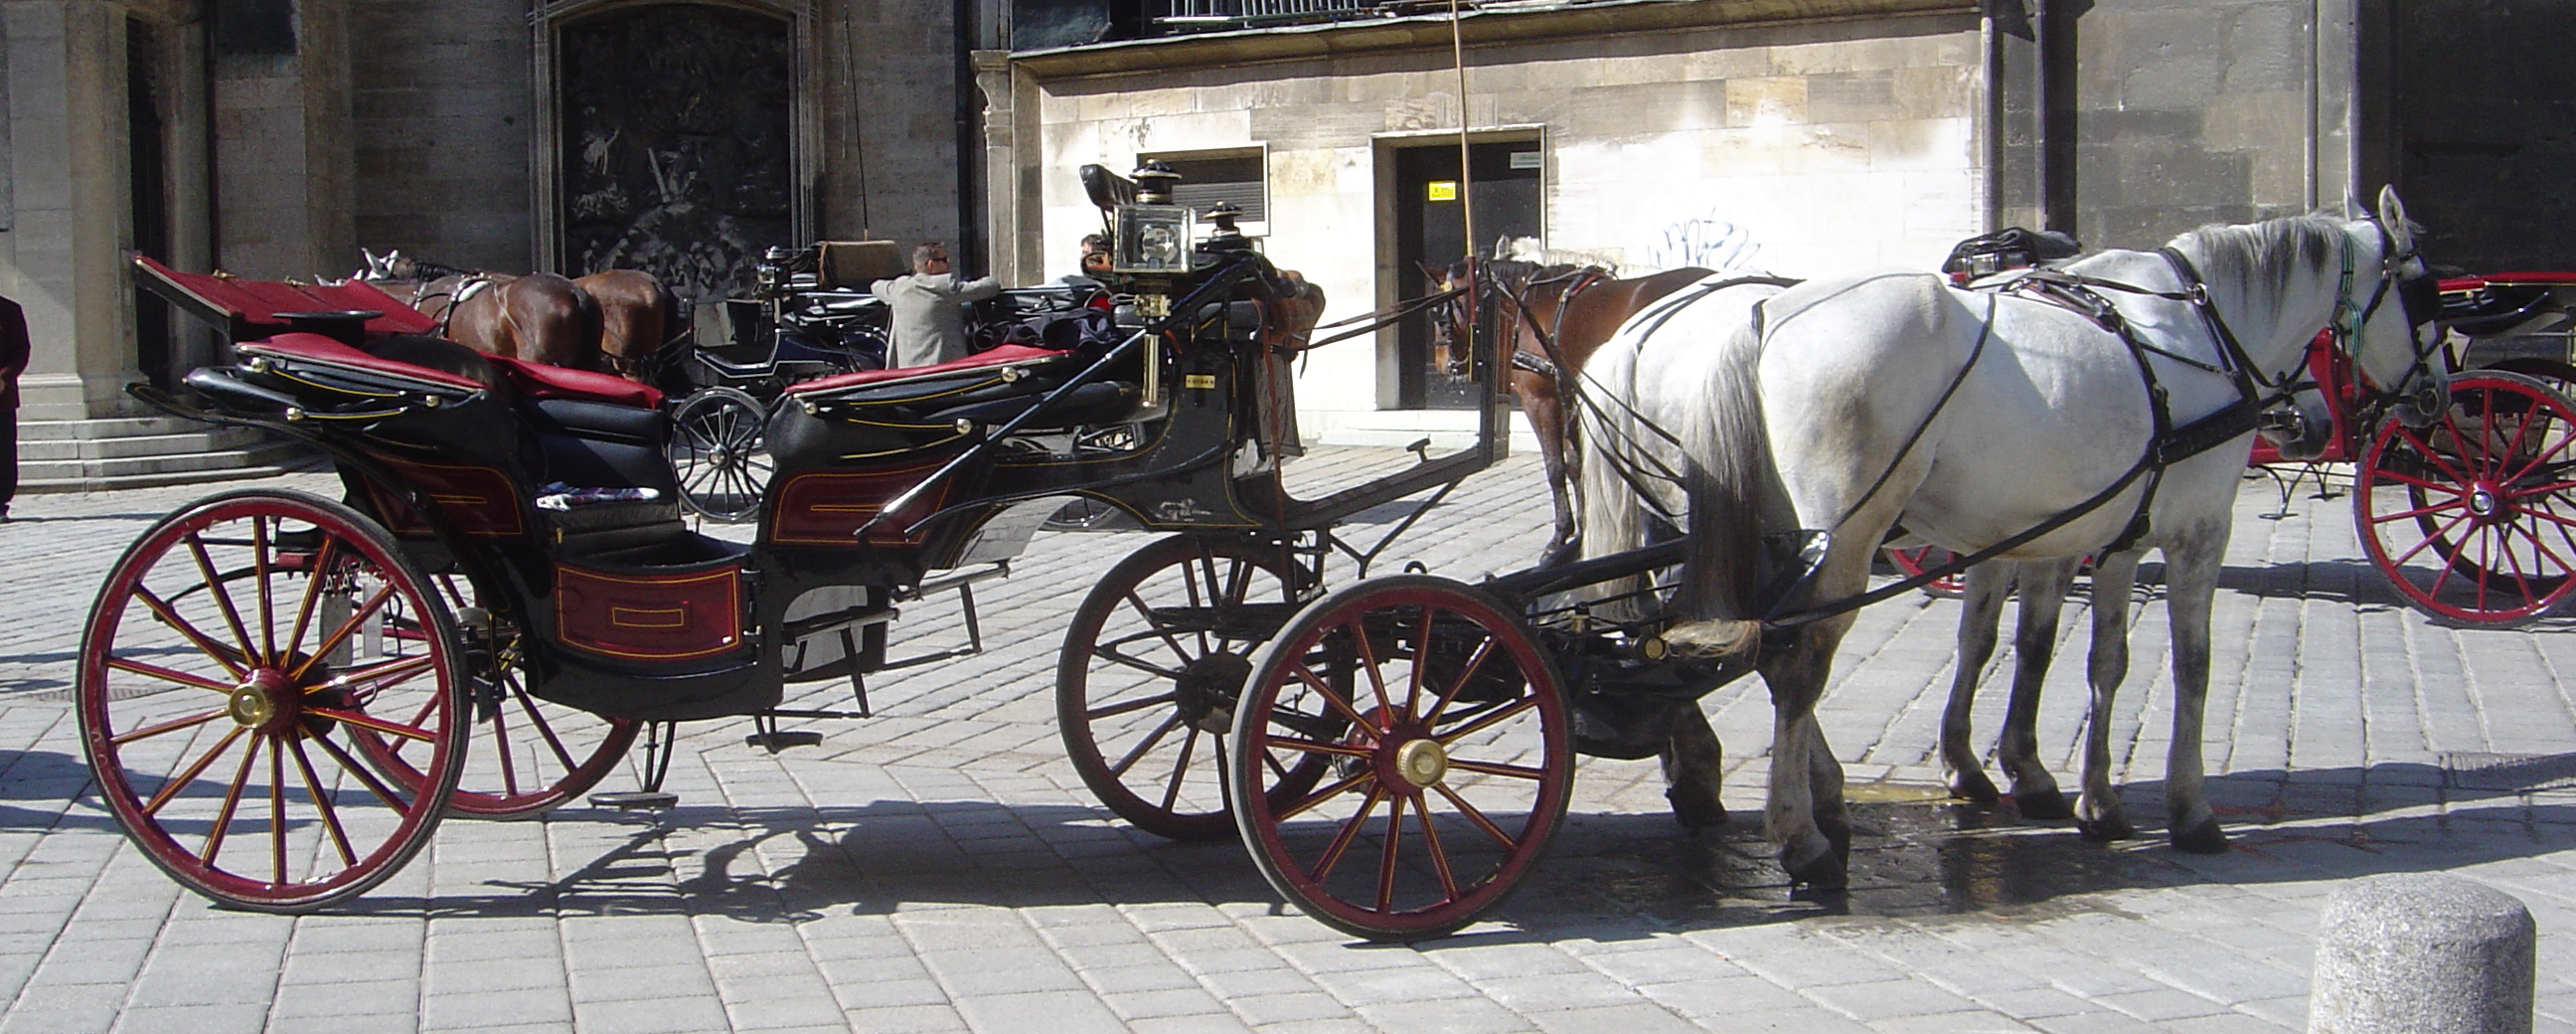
(717, 437)
(530, 756)
(2473, 519)
(1451, 755)
(1146, 685)
(224, 673)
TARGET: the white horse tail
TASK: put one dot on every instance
(1728, 475)
(1612, 521)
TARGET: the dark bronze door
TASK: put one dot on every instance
(677, 154)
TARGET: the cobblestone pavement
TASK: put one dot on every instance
(941, 867)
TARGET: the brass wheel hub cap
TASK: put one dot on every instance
(1421, 762)
(254, 703)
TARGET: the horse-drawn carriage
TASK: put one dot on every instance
(282, 694)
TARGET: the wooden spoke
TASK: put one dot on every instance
(1476, 817)
(313, 588)
(232, 800)
(355, 768)
(1333, 852)
(167, 674)
(371, 722)
(1320, 796)
(1312, 747)
(1475, 663)
(1113, 710)
(1387, 852)
(347, 628)
(322, 804)
(544, 728)
(1180, 769)
(179, 781)
(1498, 769)
(1439, 855)
(267, 603)
(173, 725)
(1332, 698)
(1133, 756)
(1156, 624)
(1369, 663)
(215, 587)
(277, 811)
(1413, 679)
(170, 618)
(1496, 717)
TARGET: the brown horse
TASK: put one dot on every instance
(637, 316)
(1555, 317)
(540, 317)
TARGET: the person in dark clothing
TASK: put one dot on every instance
(13, 361)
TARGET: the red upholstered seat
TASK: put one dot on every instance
(314, 348)
(539, 381)
(1003, 355)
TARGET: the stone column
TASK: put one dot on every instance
(60, 256)
(1017, 257)
(286, 162)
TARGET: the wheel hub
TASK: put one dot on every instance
(1421, 762)
(1207, 689)
(2487, 502)
(261, 698)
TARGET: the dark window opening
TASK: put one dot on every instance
(253, 26)
(1205, 182)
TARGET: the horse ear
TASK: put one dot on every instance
(2392, 216)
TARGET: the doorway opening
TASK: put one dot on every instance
(1431, 229)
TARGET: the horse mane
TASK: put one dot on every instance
(2261, 259)
(425, 270)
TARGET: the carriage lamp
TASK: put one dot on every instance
(1152, 235)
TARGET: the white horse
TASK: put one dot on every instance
(1629, 479)
(1977, 418)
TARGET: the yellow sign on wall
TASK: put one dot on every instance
(1443, 190)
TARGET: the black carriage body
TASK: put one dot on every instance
(630, 614)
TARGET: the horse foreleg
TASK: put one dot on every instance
(1693, 768)
(1980, 611)
(2043, 596)
(2191, 581)
(1547, 422)
(2097, 811)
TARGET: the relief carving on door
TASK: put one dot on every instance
(676, 147)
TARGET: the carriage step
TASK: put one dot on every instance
(636, 800)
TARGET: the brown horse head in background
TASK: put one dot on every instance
(1554, 318)
(540, 317)
(637, 317)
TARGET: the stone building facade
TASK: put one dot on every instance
(275, 138)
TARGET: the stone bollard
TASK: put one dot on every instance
(2422, 953)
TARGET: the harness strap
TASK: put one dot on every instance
(1985, 332)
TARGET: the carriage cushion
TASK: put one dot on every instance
(1004, 355)
(314, 348)
(250, 307)
(539, 381)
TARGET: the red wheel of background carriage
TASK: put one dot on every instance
(1151, 667)
(1452, 753)
(2473, 519)
(216, 700)
(1913, 562)
(530, 756)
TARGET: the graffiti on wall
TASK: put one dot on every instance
(1708, 242)
(676, 149)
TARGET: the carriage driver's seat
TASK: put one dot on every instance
(853, 265)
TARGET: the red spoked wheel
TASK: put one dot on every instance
(222, 675)
(530, 755)
(1451, 754)
(2473, 519)
(1152, 664)
(1913, 562)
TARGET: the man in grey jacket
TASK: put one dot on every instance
(930, 307)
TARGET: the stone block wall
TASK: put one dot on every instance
(441, 108)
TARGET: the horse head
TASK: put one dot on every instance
(2390, 343)
(378, 267)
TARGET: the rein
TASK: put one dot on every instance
(2168, 445)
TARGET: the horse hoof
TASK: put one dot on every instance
(2202, 837)
(1696, 809)
(1974, 788)
(2043, 805)
(2106, 830)
(1820, 871)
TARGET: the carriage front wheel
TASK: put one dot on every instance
(1146, 685)
(716, 452)
(2473, 519)
(1450, 755)
(225, 672)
